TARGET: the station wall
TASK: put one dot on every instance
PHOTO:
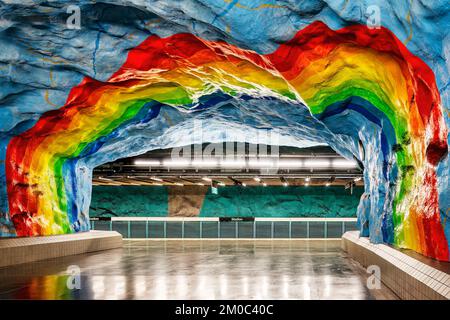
(235, 201)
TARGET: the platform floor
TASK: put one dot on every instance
(200, 269)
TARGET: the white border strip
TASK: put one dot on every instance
(312, 219)
(194, 219)
(228, 239)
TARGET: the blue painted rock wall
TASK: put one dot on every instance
(42, 60)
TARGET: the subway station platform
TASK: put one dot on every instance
(198, 269)
(214, 269)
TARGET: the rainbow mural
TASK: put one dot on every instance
(335, 73)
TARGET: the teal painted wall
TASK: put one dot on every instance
(282, 202)
(231, 201)
(129, 201)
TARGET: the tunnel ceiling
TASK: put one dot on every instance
(368, 79)
(279, 166)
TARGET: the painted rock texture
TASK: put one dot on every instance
(369, 79)
(231, 201)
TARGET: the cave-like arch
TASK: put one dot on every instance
(345, 87)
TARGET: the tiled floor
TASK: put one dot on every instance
(202, 269)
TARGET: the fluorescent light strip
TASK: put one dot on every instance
(176, 163)
(260, 163)
(143, 162)
(343, 163)
(255, 163)
(290, 164)
(317, 163)
(204, 163)
(232, 163)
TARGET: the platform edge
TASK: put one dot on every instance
(15, 251)
(407, 277)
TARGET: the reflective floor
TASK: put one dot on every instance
(201, 269)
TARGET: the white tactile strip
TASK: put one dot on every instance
(407, 277)
(28, 249)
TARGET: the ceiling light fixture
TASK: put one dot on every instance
(284, 181)
(204, 163)
(357, 179)
(206, 179)
(156, 179)
(257, 179)
(307, 179)
(105, 179)
(143, 162)
(317, 163)
(343, 163)
(260, 163)
(289, 164)
(176, 163)
(232, 163)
